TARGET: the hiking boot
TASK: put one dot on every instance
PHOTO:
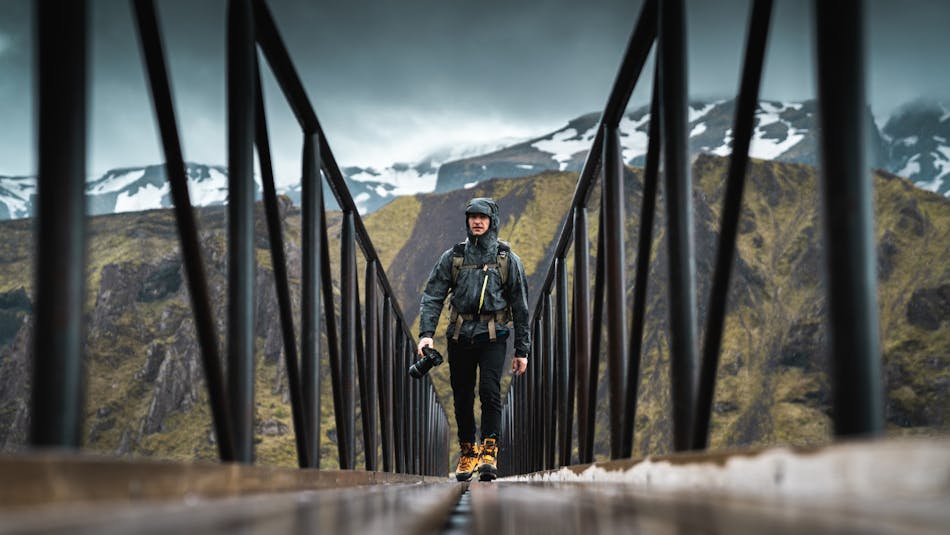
(488, 460)
(468, 459)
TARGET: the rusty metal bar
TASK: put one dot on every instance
(582, 329)
(311, 207)
(242, 62)
(849, 220)
(303, 433)
(346, 437)
(614, 255)
(61, 66)
(644, 247)
(679, 210)
(742, 129)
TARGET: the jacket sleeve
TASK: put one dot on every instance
(433, 296)
(518, 300)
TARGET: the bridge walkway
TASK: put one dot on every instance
(824, 490)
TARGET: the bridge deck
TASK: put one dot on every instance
(875, 487)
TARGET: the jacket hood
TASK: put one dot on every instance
(487, 206)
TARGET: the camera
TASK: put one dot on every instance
(430, 358)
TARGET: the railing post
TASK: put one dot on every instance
(679, 210)
(303, 432)
(398, 405)
(563, 366)
(597, 332)
(417, 421)
(549, 412)
(187, 228)
(57, 402)
(616, 295)
(409, 356)
(644, 247)
(849, 220)
(241, 69)
(334, 353)
(386, 386)
(368, 375)
(732, 206)
(311, 212)
(346, 435)
(540, 398)
(582, 328)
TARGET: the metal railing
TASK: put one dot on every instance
(565, 355)
(412, 423)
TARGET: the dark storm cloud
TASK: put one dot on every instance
(390, 80)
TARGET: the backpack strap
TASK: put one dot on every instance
(458, 257)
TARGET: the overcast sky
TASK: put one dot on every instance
(393, 81)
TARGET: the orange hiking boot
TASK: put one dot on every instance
(468, 459)
(487, 461)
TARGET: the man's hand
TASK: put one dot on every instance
(423, 343)
(518, 365)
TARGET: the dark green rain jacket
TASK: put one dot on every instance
(467, 292)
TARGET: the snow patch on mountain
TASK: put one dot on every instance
(15, 195)
(212, 190)
(563, 145)
(726, 148)
(767, 148)
(911, 169)
(699, 113)
(403, 179)
(110, 182)
(633, 134)
(147, 197)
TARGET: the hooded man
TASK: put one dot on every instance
(489, 298)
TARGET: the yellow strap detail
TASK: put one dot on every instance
(481, 300)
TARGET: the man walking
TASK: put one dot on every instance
(489, 298)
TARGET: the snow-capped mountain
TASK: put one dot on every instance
(133, 189)
(914, 144)
(918, 135)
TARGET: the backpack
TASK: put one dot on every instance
(501, 262)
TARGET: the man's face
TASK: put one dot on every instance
(478, 223)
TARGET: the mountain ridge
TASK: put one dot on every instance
(914, 142)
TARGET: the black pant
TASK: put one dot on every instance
(464, 358)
